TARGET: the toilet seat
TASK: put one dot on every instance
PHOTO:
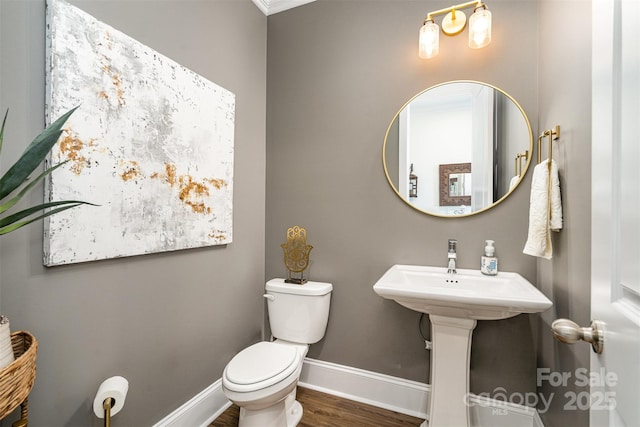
(259, 366)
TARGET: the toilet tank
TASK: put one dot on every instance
(298, 313)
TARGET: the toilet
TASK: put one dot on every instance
(262, 378)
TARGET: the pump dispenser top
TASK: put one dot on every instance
(489, 250)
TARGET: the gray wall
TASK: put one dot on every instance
(338, 71)
(167, 322)
(565, 100)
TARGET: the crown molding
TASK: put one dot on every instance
(269, 7)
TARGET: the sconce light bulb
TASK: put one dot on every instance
(480, 29)
(429, 40)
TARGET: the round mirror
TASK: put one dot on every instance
(457, 148)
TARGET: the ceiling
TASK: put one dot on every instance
(269, 7)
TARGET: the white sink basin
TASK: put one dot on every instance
(468, 294)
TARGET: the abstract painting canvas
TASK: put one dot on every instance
(151, 144)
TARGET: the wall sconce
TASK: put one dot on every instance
(413, 183)
(453, 23)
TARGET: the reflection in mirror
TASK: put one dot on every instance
(455, 185)
(459, 184)
(462, 139)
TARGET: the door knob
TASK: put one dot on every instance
(569, 332)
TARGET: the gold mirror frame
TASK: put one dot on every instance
(522, 171)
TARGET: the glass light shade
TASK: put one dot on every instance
(480, 29)
(429, 41)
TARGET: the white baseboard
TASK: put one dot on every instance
(384, 391)
(200, 410)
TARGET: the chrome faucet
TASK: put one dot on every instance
(451, 256)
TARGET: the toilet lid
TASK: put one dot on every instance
(262, 362)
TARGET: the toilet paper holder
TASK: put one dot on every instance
(110, 398)
(107, 405)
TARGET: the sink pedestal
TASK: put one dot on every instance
(450, 357)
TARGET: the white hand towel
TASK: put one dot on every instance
(555, 222)
(545, 210)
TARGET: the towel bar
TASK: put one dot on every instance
(552, 134)
(518, 162)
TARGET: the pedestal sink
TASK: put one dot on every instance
(455, 302)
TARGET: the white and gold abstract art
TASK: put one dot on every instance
(151, 143)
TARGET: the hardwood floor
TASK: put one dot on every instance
(326, 410)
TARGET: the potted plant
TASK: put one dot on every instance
(14, 184)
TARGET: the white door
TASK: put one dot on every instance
(615, 271)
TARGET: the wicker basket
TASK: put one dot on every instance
(16, 379)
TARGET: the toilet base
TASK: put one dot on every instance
(285, 413)
(294, 414)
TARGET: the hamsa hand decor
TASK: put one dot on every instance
(296, 254)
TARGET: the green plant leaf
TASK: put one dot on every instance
(32, 156)
(10, 223)
(18, 175)
(15, 199)
(2, 129)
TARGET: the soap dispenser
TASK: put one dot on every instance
(489, 262)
